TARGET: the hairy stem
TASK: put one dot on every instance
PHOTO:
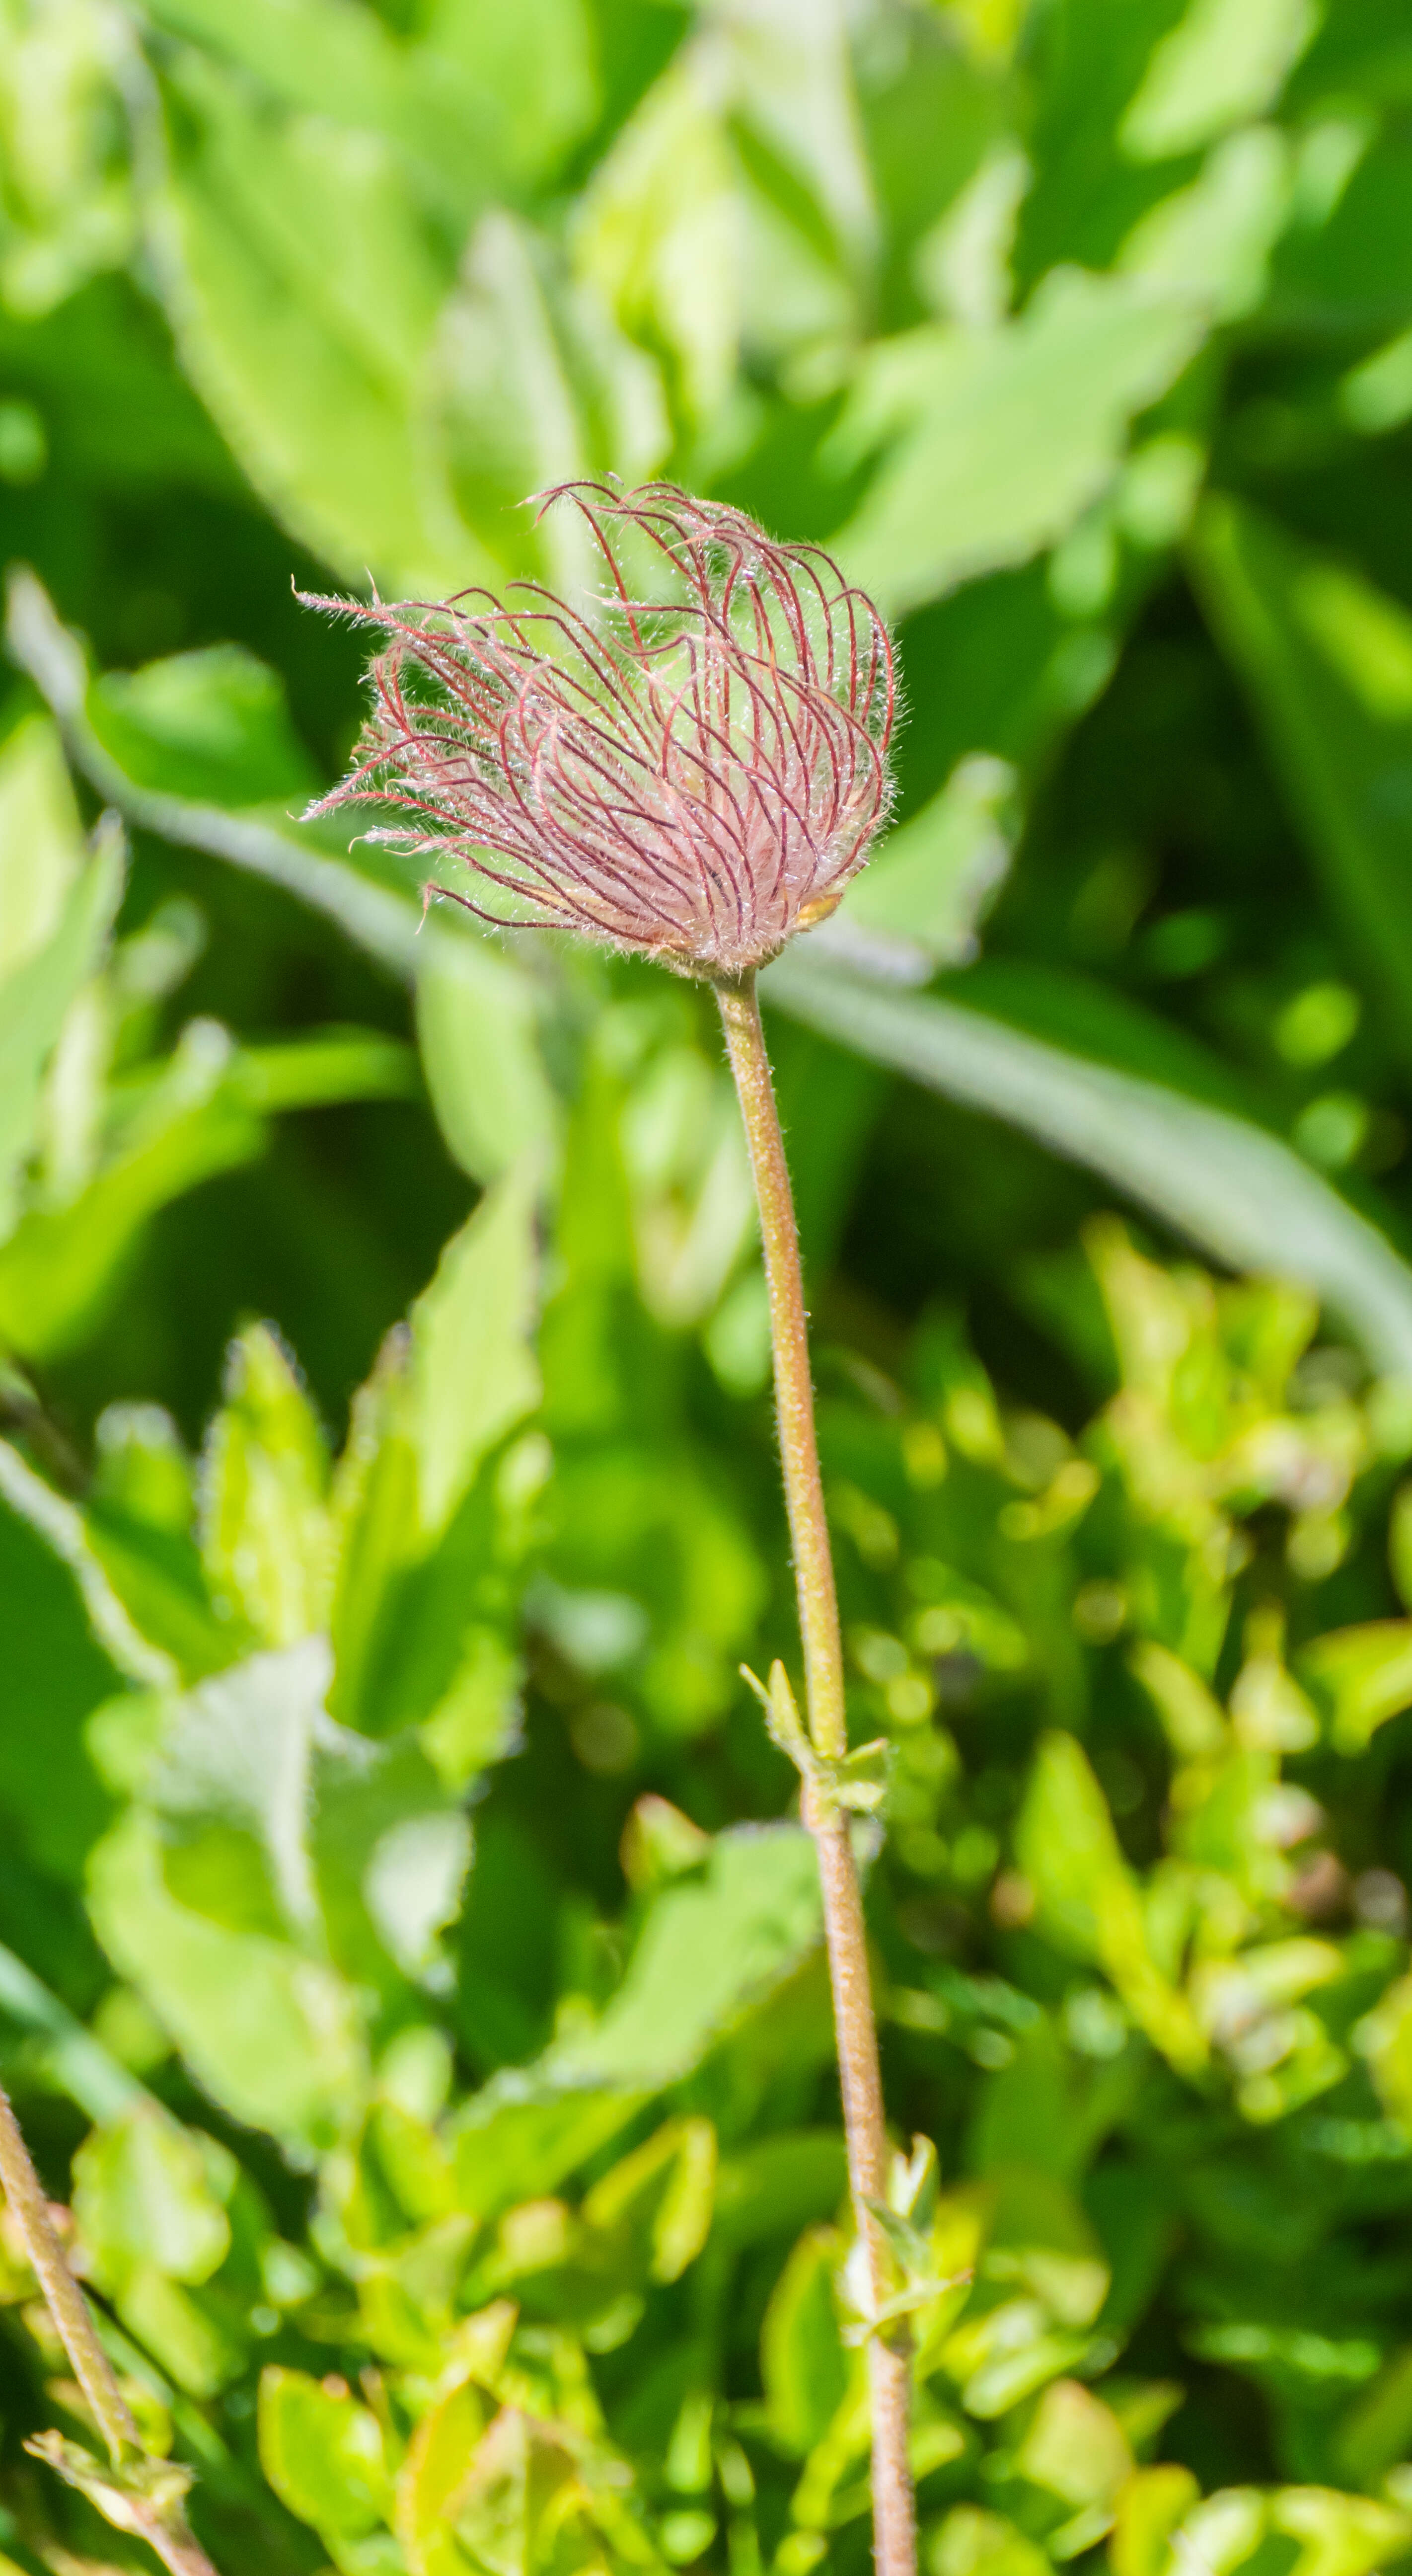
(894, 2513)
(62, 2295)
(25, 2197)
(169, 2535)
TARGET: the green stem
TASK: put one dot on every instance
(894, 2511)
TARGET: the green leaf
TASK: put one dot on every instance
(933, 880)
(1008, 2373)
(1149, 2509)
(41, 840)
(275, 1821)
(57, 1671)
(659, 1843)
(477, 1027)
(482, 98)
(1376, 2429)
(975, 2543)
(1040, 2237)
(1065, 1842)
(1339, 2535)
(1363, 1676)
(472, 1373)
(143, 2196)
(795, 80)
(419, 1603)
(1066, 1846)
(1344, 262)
(155, 1571)
(213, 724)
(655, 233)
(238, 1755)
(373, 1509)
(62, 1264)
(304, 291)
(181, 2332)
(522, 2135)
(172, 1126)
(60, 1526)
(432, 2477)
(1385, 2038)
(1191, 1717)
(476, 1720)
(802, 2360)
(1213, 240)
(271, 2036)
(964, 486)
(533, 69)
(1224, 61)
(779, 2184)
(368, 901)
(1230, 1187)
(71, 2057)
(517, 2500)
(265, 1537)
(329, 1066)
(710, 1948)
(534, 385)
(1075, 2447)
(323, 2454)
(37, 991)
(67, 209)
(695, 1572)
(392, 1850)
(1327, 660)
(657, 2202)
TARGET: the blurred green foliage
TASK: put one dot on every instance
(410, 1974)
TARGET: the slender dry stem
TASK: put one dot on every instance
(180, 2554)
(25, 2197)
(894, 2512)
(62, 2296)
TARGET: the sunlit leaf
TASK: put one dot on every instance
(1232, 1188)
(1225, 60)
(657, 234)
(305, 291)
(265, 1537)
(802, 2359)
(472, 1375)
(209, 724)
(477, 1023)
(271, 2035)
(1327, 659)
(1066, 1845)
(707, 1951)
(41, 840)
(964, 487)
(39, 987)
(323, 2454)
(1365, 1674)
(144, 2196)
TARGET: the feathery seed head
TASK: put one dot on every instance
(693, 773)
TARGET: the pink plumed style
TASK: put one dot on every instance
(693, 773)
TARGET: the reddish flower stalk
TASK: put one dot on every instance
(694, 773)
